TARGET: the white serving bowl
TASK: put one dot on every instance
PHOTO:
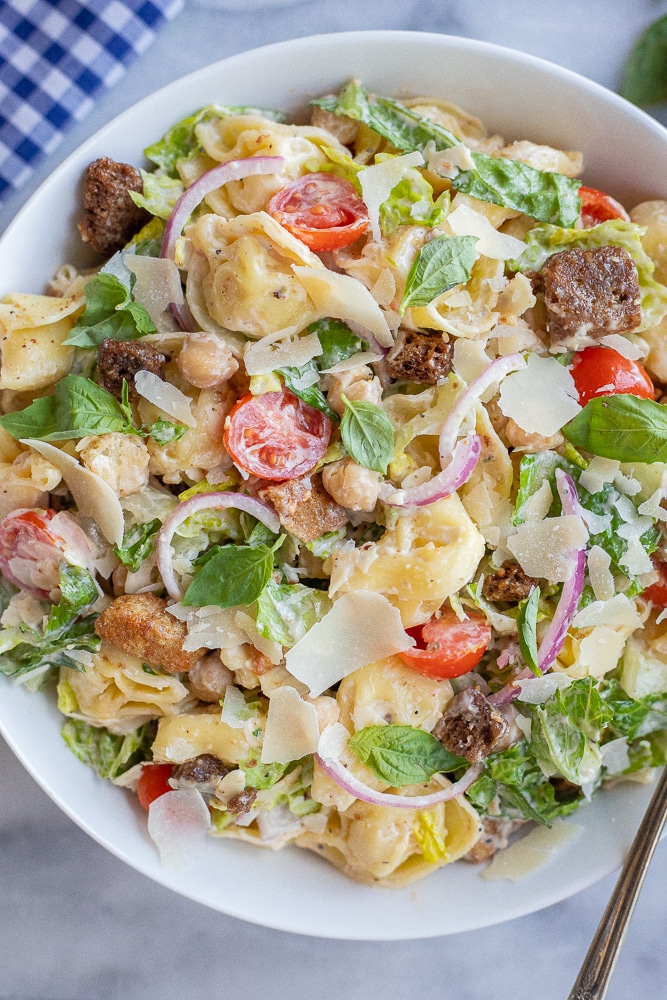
(520, 97)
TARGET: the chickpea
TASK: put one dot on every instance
(209, 677)
(206, 361)
(351, 485)
(530, 443)
(356, 384)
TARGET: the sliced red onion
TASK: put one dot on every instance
(178, 822)
(328, 757)
(233, 170)
(495, 372)
(183, 316)
(554, 636)
(457, 472)
(205, 501)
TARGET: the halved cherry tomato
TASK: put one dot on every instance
(322, 210)
(597, 207)
(153, 782)
(446, 646)
(657, 592)
(602, 371)
(33, 543)
(276, 435)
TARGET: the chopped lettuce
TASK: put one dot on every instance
(108, 754)
(138, 543)
(411, 203)
(159, 194)
(285, 612)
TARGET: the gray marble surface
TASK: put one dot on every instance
(76, 923)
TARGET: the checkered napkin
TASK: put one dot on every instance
(56, 58)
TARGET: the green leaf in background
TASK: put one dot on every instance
(231, 575)
(621, 427)
(367, 434)
(109, 313)
(527, 626)
(441, 264)
(138, 543)
(77, 408)
(402, 755)
(78, 591)
(166, 432)
(158, 195)
(645, 72)
(109, 755)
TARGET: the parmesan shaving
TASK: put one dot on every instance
(615, 755)
(599, 472)
(525, 856)
(541, 398)
(362, 358)
(537, 505)
(470, 359)
(600, 651)
(378, 181)
(628, 348)
(343, 297)
(158, 284)
(536, 690)
(210, 627)
(652, 507)
(600, 575)
(292, 730)
(544, 548)
(264, 356)
(93, 497)
(165, 396)
(465, 221)
(448, 162)
(617, 611)
(234, 709)
(361, 628)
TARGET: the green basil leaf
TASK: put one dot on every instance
(138, 543)
(310, 394)
(645, 72)
(546, 196)
(77, 408)
(367, 434)
(165, 432)
(78, 591)
(621, 427)
(234, 574)
(527, 626)
(338, 342)
(441, 263)
(402, 755)
(109, 313)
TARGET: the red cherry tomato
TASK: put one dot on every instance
(33, 543)
(276, 435)
(447, 647)
(153, 782)
(322, 210)
(597, 207)
(601, 371)
(657, 592)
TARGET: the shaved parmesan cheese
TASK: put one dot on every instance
(230, 785)
(355, 360)
(166, 396)
(544, 548)
(465, 221)
(378, 181)
(652, 507)
(470, 359)
(178, 822)
(361, 628)
(536, 690)
(600, 651)
(343, 297)
(599, 472)
(627, 485)
(264, 356)
(272, 650)
(291, 730)
(93, 497)
(541, 398)
(525, 856)
(617, 611)
(628, 348)
(537, 505)
(600, 575)
(448, 162)
(615, 755)
(234, 709)
(596, 523)
(210, 626)
(158, 284)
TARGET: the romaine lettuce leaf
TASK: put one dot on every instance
(109, 755)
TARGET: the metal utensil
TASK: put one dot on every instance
(597, 967)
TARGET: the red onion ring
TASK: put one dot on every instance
(554, 636)
(495, 372)
(458, 471)
(233, 170)
(336, 770)
(205, 501)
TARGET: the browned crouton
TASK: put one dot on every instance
(304, 507)
(140, 625)
(590, 293)
(470, 725)
(110, 216)
(509, 583)
(122, 359)
(420, 357)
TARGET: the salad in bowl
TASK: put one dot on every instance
(333, 481)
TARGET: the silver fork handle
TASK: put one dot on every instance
(597, 967)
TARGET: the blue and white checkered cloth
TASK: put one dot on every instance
(56, 58)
